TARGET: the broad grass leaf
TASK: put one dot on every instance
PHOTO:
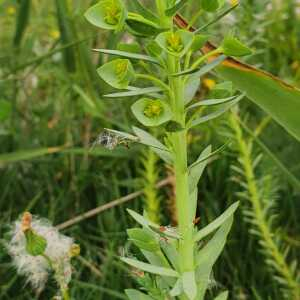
(22, 155)
(150, 268)
(216, 223)
(277, 98)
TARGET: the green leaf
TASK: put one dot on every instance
(129, 55)
(151, 112)
(208, 255)
(274, 96)
(5, 110)
(217, 18)
(133, 47)
(35, 243)
(117, 73)
(27, 154)
(289, 175)
(172, 10)
(169, 247)
(137, 295)
(175, 43)
(150, 268)
(204, 70)
(146, 13)
(177, 288)
(216, 223)
(269, 93)
(189, 284)
(144, 239)
(216, 113)
(231, 46)
(192, 85)
(147, 139)
(142, 27)
(135, 92)
(222, 296)
(199, 41)
(212, 5)
(141, 220)
(107, 14)
(153, 48)
(210, 102)
(196, 170)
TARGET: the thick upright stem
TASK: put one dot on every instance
(178, 139)
(185, 225)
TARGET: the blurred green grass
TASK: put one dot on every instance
(54, 101)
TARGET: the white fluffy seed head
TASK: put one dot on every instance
(37, 268)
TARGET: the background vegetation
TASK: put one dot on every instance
(51, 111)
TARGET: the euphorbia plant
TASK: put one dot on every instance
(177, 265)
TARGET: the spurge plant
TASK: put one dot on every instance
(177, 261)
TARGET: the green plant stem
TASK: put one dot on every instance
(255, 200)
(161, 7)
(64, 291)
(65, 294)
(202, 59)
(179, 142)
(155, 80)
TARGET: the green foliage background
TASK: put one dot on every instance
(51, 110)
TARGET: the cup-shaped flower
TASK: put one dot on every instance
(117, 73)
(107, 14)
(176, 43)
(151, 112)
(231, 46)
